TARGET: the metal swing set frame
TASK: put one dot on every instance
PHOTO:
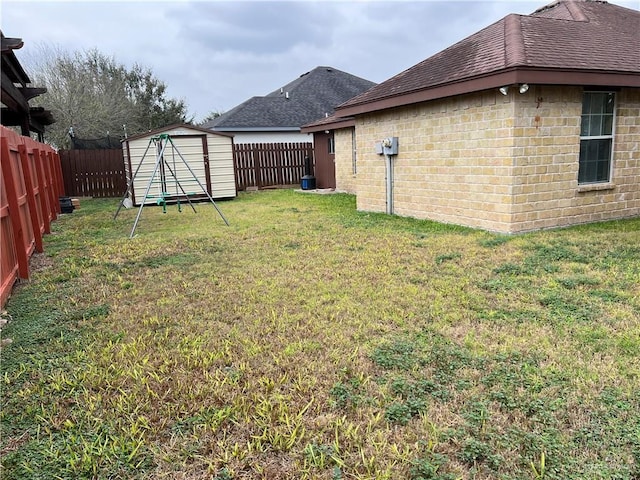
(161, 142)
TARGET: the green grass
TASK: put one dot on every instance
(311, 341)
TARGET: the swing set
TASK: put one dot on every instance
(160, 178)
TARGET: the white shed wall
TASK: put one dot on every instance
(223, 178)
(187, 149)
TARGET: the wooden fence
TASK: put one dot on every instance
(30, 187)
(100, 173)
(264, 165)
(93, 173)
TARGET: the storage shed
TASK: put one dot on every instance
(193, 158)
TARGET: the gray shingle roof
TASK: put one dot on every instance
(565, 36)
(310, 96)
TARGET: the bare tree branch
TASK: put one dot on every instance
(94, 94)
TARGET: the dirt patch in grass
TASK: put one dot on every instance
(40, 261)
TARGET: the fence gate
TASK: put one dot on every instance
(93, 173)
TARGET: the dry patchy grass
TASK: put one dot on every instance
(308, 340)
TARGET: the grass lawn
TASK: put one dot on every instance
(311, 341)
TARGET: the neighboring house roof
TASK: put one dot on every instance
(568, 42)
(309, 97)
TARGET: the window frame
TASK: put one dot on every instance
(331, 144)
(610, 137)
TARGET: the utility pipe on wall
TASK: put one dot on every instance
(389, 167)
(388, 147)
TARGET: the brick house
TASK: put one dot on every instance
(531, 123)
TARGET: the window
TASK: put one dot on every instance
(596, 137)
(332, 144)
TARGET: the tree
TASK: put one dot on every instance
(211, 116)
(152, 108)
(97, 96)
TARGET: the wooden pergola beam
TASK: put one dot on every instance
(11, 44)
(15, 92)
(11, 95)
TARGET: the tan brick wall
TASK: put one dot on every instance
(501, 163)
(454, 161)
(345, 177)
(546, 152)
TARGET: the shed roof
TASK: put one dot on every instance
(571, 42)
(307, 98)
(174, 126)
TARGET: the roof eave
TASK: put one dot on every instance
(256, 129)
(173, 127)
(335, 125)
(497, 80)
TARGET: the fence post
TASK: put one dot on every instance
(53, 181)
(44, 197)
(56, 158)
(255, 155)
(280, 150)
(54, 203)
(31, 196)
(14, 210)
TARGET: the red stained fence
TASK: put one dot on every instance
(269, 164)
(30, 187)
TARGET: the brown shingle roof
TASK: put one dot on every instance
(607, 39)
(559, 43)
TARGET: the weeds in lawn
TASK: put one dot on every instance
(312, 341)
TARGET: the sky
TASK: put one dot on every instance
(216, 54)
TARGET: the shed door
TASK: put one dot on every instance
(189, 150)
(186, 150)
(324, 152)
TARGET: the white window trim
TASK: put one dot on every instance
(606, 183)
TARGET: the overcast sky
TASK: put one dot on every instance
(217, 54)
